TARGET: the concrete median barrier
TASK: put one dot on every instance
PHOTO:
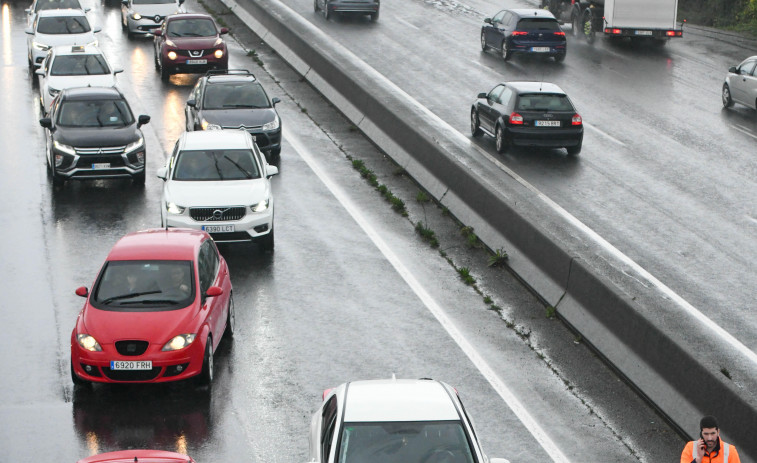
(672, 354)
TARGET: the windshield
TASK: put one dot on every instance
(57, 5)
(540, 24)
(197, 27)
(209, 165)
(235, 95)
(63, 25)
(401, 442)
(152, 2)
(543, 102)
(144, 285)
(95, 113)
(79, 65)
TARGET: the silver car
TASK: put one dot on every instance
(741, 84)
(363, 7)
(141, 17)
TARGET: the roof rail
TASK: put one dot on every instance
(236, 72)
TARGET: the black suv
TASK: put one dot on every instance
(524, 31)
(91, 133)
(234, 99)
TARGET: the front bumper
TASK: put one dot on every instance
(180, 65)
(143, 26)
(93, 166)
(354, 7)
(251, 227)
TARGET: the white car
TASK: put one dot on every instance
(140, 17)
(740, 84)
(394, 421)
(57, 27)
(39, 5)
(76, 66)
(219, 181)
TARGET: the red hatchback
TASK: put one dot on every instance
(189, 43)
(156, 311)
(142, 456)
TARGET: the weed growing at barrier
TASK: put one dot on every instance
(551, 312)
(254, 55)
(427, 234)
(725, 372)
(422, 197)
(465, 275)
(488, 300)
(397, 204)
(498, 258)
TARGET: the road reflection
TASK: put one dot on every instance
(7, 55)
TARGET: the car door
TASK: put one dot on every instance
(207, 266)
(503, 107)
(741, 83)
(329, 419)
(485, 111)
(191, 113)
(492, 30)
(158, 41)
(44, 73)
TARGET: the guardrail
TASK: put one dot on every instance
(671, 353)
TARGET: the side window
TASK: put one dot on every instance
(328, 425)
(212, 260)
(172, 160)
(203, 268)
(506, 96)
(507, 19)
(495, 93)
(498, 17)
(746, 68)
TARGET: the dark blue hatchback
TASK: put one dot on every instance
(524, 31)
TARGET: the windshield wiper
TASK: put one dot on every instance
(243, 106)
(218, 168)
(152, 301)
(245, 171)
(129, 296)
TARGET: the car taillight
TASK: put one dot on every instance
(560, 33)
(520, 33)
(516, 118)
(612, 31)
(577, 120)
(673, 33)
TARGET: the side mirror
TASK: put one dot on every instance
(157, 32)
(46, 122)
(192, 103)
(87, 10)
(28, 10)
(481, 95)
(181, 2)
(163, 173)
(124, 2)
(271, 171)
(733, 70)
(29, 31)
(97, 29)
(142, 120)
(82, 291)
(213, 291)
(275, 100)
(40, 72)
(118, 71)
(224, 30)
(488, 20)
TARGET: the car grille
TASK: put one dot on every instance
(131, 375)
(261, 138)
(86, 162)
(217, 214)
(193, 53)
(131, 347)
(100, 150)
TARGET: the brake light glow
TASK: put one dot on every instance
(577, 120)
(612, 31)
(673, 33)
(520, 33)
(516, 119)
(560, 33)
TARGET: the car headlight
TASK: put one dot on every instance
(273, 125)
(173, 208)
(134, 145)
(64, 148)
(53, 91)
(218, 54)
(40, 46)
(208, 126)
(261, 206)
(172, 55)
(179, 342)
(136, 16)
(89, 343)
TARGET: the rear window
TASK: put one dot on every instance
(79, 65)
(63, 25)
(543, 102)
(542, 24)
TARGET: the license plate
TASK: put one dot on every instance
(540, 49)
(548, 123)
(131, 364)
(643, 32)
(218, 228)
(197, 61)
(100, 165)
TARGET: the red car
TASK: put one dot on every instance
(143, 456)
(189, 43)
(156, 311)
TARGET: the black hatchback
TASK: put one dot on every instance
(92, 134)
(535, 114)
(524, 31)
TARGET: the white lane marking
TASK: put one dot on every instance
(604, 134)
(408, 24)
(515, 405)
(744, 130)
(751, 218)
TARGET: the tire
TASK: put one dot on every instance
(231, 318)
(326, 12)
(506, 54)
(56, 179)
(274, 155)
(560, 57)
(267, 242)
(139, 179)
(75, 379)
(501, 140)
(574, 150)
(164, 74)
(374, 16)
(475, 124)
(483, 41)
(205, 378)
(315, 6)
(727, 100)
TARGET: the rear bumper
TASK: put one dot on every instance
(547, 138)
(643, 33)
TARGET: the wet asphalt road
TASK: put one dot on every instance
(666, 175)
(350, 293)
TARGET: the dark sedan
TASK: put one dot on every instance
(524, 31)
(363, 7)
(235, 99)
(536, 114)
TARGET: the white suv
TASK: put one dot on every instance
(57, 27)
(219, 181)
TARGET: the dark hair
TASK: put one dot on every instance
(708, 422)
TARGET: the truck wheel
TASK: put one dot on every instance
(506, 53)
(727, 100)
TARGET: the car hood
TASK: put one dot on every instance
(97, 136)
(108, 326)
(54, 40)
(160, 9)
(217, 194)
(235, 117)
(194, 43)
(63, 82)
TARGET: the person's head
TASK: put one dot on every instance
(709, 431)
(177, 275)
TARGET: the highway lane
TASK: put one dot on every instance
(666, 175)
(330, 305)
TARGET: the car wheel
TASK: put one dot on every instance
(506, 53)
(475, 124)
(56, 179)
(374, 16)
(501, 140)
(326, 12)
(139, 179)
(206, 375)
(315, 6)
(483, 40)
(574, 150)
(157, 62)
(75, 378)
(273, 156)
(231, 318)
(164, 74)
(727, 100)
(560, 57)
(267, 242)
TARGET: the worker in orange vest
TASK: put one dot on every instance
(710, 448)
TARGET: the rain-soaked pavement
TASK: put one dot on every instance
(333, 303)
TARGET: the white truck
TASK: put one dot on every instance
(637, 19)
